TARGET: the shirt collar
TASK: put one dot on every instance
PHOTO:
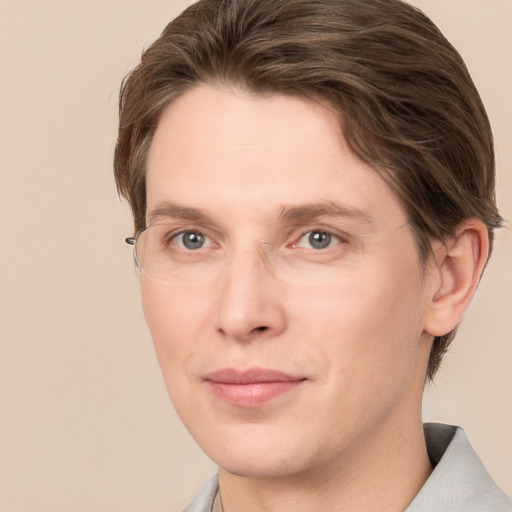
(459, 482)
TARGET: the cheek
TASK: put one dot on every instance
(367, 327)
(175, 316)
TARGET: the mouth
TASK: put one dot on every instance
(251, 388)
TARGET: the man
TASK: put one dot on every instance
(312, 184)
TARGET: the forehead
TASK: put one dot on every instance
(231, 152)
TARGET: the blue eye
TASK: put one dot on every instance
(318, 240)
(192, 240)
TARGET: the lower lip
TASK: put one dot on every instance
(253, 394)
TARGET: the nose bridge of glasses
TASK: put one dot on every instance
(251, 253)
(250, 259)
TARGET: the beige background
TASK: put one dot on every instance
(85, 422)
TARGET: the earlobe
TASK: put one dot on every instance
(457, 269)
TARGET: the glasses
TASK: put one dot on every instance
(294, 254)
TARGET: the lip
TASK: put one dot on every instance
(251, 388)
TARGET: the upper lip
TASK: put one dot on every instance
(250, 376)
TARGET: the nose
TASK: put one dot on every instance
(250, 304)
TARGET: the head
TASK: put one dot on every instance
(246, 125)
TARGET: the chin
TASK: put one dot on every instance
(262, 467)
(256, 455)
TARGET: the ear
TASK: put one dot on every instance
(457, 268)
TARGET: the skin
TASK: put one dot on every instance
(349, 437)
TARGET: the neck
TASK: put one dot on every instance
(384, 472)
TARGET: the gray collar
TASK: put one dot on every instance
(459, 482)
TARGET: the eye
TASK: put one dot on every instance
(191, 240)
(317, 239)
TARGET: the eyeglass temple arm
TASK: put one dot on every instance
(130, 240)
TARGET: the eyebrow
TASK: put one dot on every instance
(312, 211)
(168, 209)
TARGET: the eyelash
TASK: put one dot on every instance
(306, 236)
(169, 239)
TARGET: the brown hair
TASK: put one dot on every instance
(407, 104)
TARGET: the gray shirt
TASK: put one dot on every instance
(459, 482)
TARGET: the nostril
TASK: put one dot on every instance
(261, 328)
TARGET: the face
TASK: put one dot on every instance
(290, 328)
